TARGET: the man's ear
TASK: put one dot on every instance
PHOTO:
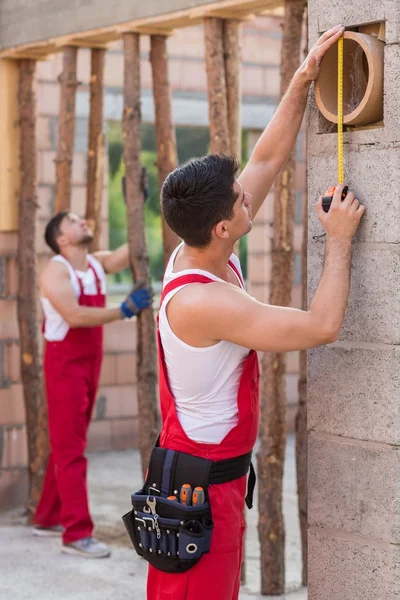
(221, 230)
(61, 241)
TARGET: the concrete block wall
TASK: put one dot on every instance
(353, 391)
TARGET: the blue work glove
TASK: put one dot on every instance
(140, 297)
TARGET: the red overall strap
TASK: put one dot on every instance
(239, 276)
(96, 277)
(183, 280)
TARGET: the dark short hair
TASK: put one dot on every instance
(52, 230)
(198, 195)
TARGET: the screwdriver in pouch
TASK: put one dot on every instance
(199, 496)
(173, 498)
(186, 494)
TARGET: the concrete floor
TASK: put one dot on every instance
(35, 568)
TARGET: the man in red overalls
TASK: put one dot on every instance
(73, 288)
(210, 328)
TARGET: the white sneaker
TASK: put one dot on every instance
(87, 547)
(54, 531)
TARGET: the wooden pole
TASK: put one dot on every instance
(216, 84)
(27, 299)
(167, 157)
(66, 129)
(95, 165)
(271, 456)
(232, 30)
(301, 416)
(146, 349)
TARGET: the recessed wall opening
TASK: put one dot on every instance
(362, 83)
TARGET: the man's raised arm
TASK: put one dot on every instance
(275, 145)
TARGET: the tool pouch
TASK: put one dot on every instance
(172, 537)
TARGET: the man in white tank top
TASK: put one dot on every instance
(73, 292)
(206, 331)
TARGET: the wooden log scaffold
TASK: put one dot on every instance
(271, 454)
(146, 338)
(95, 163)
(35, 406)
(167, 157)
(216, 85)
(66, 129)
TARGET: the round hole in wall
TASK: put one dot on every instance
(362, 81)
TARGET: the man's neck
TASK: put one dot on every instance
(77, 257)
(213, 259)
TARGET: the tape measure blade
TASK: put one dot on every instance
(340, 111)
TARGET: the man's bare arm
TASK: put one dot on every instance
(56, 287)
(114, 261)
(275, 145)
(202, 315)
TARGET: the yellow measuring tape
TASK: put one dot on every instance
(340, 111)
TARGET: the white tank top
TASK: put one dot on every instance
(203, 381)
(55, 328)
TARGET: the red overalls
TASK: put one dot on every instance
(217, 575)
(72, 370)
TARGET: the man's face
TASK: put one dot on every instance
(242, 215)
(74, 231)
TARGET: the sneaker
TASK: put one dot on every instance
(87, 547)
(53, 531)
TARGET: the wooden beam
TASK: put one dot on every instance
(146, 349)
(27, 300)
(233, 71)
(216, 84)
(95, 169)
(157, 24)
(273, 425)
(10, 145)
(167, 157)
(66, 130)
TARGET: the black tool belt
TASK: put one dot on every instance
(170, 535)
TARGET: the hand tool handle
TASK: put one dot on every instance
(199, 496)
(186, 494)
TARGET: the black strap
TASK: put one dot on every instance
(250, 486)
(223, 471)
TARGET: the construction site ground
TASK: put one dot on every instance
(32, 567)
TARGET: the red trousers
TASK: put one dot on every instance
(217, 575)
(71, 386)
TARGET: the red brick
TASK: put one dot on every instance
(13, 488)
(296, 297)
(78, 200)
(47, 167)
(12, 276)
(100, 436)
(259, 268)
(253, 80)
(120, 336)
(125, 433)
(271, 82)
(15, 449)
(14, 362)
(45, 196)
(260, 291)
(12, 407)
(8, 242)
(43, 134)
(121, 400)
(83, 66)
(79, 168)
(49, 98)
(292, 362)
(192, 75)
(292, 381)
(114, 70)
(125, 366)
(8, 322)
(108, 371)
